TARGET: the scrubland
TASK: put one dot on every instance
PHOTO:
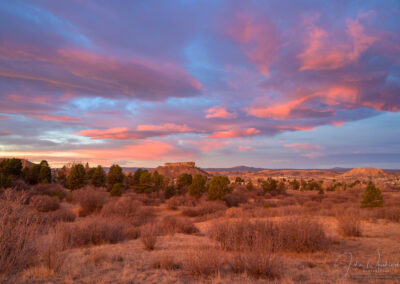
(50, 234)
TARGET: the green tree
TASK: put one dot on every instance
(117, 189)
(136, 176)
(11, 167)
(169, 192)
(115, 175)
(98, 177)
(158, 180)
(62, 176)
(198, 186)
(270, 185)
(77, 176)
(44, 173)
(218, 187)
(372, 197)
(295, 185)
(31, 175)
(184, 180)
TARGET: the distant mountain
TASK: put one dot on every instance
(235, 169)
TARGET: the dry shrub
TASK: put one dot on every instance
(50, 252)
(91, 231)
(125, 207)
(288, 201)
(44, 203)
(61, 215)
(19, 228)
(207, 207)
(148, 236)
(312, 206)
(172, 224)
(166, 262)
(180, 200)
(297, 234)
(349, 224)
(388, 213)
(203, 262)
(236, 198)
(131, 233)
(50, 189)
(256, 265)
(91, 201)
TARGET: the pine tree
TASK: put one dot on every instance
(218, 187)
(198, 186)
(76, 178)
(115, 175)
(372, 197)
(44, 173)
(98, 177)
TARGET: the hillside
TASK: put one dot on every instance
(367, 173)
(298, 173)
(25, 163)
(173, 170)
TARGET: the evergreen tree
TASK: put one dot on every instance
(218, 187)
(77, 176)
(198, 186)
(250, 186)
(62, 176)
(98, 177)
(115, 175)
(372, 197)
(158, 180)
(44, 173)
(184, 180)
(136, 176)
(145, 182)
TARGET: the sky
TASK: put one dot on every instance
(274, 84)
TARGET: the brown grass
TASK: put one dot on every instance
(166, 262)
(91, 231)
(349, 224)
(293, 234)
(19, 229)
(173, 224)
(207, 207)
(148, 236)
(90, 201)
(44, 203)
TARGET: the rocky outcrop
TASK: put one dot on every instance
(174, 170)
(181, 164)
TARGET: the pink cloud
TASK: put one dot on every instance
(338, 123)
(166, 127)
(299, 147)
(220, 112)
(324, 52)
(245, 148)
(63, 118)
(258, 39)
(235, 133)
(211, 145)
(117, 133)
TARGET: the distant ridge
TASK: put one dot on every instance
(367, 172)
(235, 169)
(174, 170)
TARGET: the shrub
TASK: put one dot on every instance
(44, 203)
(19, 229)
(148, 236)
(98, 177)
(256, 265)
(203, 262)
(90, 201)
(372, 197)
(91, 231)
(169, 192)
(218, 187)
(181, 200)
(293, 234)
(349, 224)
(183, 182)
(205, 208)
(172, 224)
(117, 189)
(64, 215)
(235, 198)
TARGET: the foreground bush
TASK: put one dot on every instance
(148, 236)
(91, 231)
(19, 228)
(293, 234)
(44, 203)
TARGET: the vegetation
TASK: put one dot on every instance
(115, 175)
(77, 177)
(218, 187)
(372, 197)
(98, 177)
(198, 186)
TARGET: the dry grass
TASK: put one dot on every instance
(44, 203)
(148, 236)
(19, 228)
(166, 262)
(90, 201)
(349, 224)
(207, 207)
(91, 231)
(293, 234)
(173, 224)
